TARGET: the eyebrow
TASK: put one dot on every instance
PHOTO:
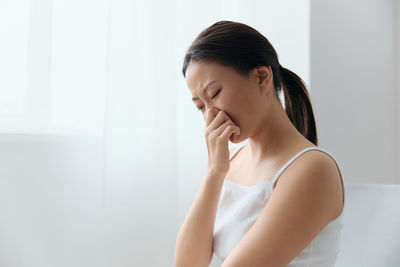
(205, 88)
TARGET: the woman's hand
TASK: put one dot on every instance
(219, 127)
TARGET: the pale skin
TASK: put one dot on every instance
(308, 194)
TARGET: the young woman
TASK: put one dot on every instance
(241, 212)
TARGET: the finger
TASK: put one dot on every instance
(219, 119)
(217, 132)
(211, 114)
(228, 131)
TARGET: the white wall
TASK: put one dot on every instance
(397, 95)
(140, 209)
(51, 196)
(354, 90)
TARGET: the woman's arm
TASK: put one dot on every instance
(194, 241)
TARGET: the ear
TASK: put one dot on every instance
(264, 78)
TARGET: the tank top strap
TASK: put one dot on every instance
(236, 150)
(275, 178)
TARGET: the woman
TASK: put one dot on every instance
(241, 213)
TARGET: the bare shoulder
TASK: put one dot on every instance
(320, 160)
(317, 171)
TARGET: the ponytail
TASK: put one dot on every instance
(298, 104)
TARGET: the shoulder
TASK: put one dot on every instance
(320, 161)
(316, 174)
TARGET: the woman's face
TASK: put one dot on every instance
(241, 98)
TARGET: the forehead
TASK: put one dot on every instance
(199, 73)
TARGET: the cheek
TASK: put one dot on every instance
(247, 114)
(235, 112)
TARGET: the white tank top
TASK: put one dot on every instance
(239, 207)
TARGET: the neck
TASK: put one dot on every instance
(276, 135)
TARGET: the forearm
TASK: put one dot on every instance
(194, 241)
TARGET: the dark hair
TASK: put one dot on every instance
(243, 48)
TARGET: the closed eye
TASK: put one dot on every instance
(219, 90)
